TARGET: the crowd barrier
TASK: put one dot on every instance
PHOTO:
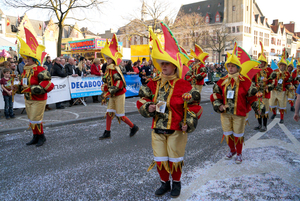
(77, 87)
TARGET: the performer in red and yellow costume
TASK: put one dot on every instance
(35, 84)
(114, 88)
(232, 96)
(291, 93)
(279, 94)
(265, 81)
(296, 75)
(198, 71)
(163, 99)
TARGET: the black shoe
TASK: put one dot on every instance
(133, 130)
(293, 109)
(263, 129)
(281, 121)
(61, 107)
(34, 140)
(41, 141)
(165, 187)
(273, 116)
(106, 135)
(176, 188)
(7, 117)
(257, 127)
(12, 116)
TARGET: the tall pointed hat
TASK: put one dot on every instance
(199, 54)
(31, 48)
(283, 58)
(291, 63)
(171, 53)
(232, 58)
(111, 50)
(262, 56)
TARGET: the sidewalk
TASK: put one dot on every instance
(74, 114)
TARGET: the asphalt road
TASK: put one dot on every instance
(74, 165)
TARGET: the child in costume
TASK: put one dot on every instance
(232, 96)
(167, 98)
(265, 81)
(279, 94)
(114, 88)
(35, 84)
(198, 71)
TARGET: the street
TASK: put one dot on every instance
(74, 165)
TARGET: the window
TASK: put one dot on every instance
(0, 28)
(273, 41)
(261, 39)
(247, 8)
(198, 8)
(228, 29)
(190, 10)
(207, 19)
(233, 8)
(217, 17)
(238, 29)
(272, 50)
(208, 6)
(255, 40)
(219, 4)
(266, 35)
(255, 33)
(266, 42)
(278, 42)
(255, 53)
(261, 34)
(233, 29)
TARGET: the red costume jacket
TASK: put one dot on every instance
(284, 81)
(237, 93)
(197, 74)
(264, 78)
(114, 82)
(38, 83)
(170, 92)
(296, 78)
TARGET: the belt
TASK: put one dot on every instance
(163, 131)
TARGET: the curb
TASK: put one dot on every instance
(67, 122)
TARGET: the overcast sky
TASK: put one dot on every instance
(115, 13)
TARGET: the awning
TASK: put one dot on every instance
(5, 44)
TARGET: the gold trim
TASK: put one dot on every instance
(236, 96)
(154, 100)
(48, 85)
(168, 103)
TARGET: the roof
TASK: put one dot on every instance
(210, 7)
(35, 24)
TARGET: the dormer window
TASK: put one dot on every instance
(217, 18)
(207, 18)
(198, 8)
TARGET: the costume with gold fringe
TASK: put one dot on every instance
(265, 81)
(38, 82)
(114, 86)
(237, 93)
(168, 140)
(279, 94)
(198, 72)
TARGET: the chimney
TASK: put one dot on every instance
(275, 22)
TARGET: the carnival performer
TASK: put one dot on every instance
(35, 83)
(291, 93)
(296, 75)
(114, 88)
(279, 94)
(232, 96)
(163, 99)
(198, 71)
(265, 81)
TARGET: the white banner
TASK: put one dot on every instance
(85, 86)
(60, 92)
